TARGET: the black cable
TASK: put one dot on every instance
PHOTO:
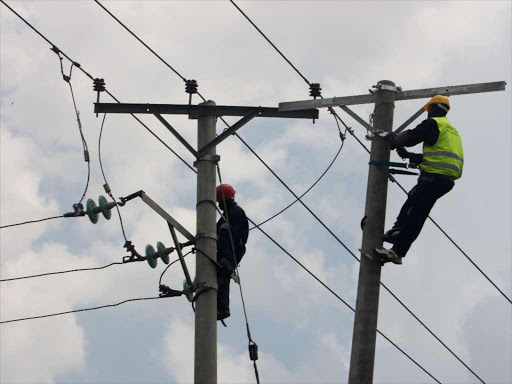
(106, 186)
(332, 111)
(310, 211)
(270, 42)
(142, 42)
(92, 78)
(235, 264)
(32, 221)
(306, 80)
(175, 261)
(60, 272)
(334, 293)
(311, 187)
(80, 310)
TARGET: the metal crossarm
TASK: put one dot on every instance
(399, 95)
(202, 110)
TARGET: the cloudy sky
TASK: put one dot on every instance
(303, 332)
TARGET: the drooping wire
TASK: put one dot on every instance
(106, 186)
(67, 79)
(342, 136)
(80, 310)
(31, 221)
(307, 81)
(339, 119)
(175, 261)
(235, 264)
(61, 272)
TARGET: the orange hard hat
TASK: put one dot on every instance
(438, 99)
(225, 191)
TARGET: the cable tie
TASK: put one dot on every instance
(106, 187)
(86, 156)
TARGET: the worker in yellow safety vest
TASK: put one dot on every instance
(441, 163)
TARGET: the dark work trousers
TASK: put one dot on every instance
(417, 207)
(223, 279)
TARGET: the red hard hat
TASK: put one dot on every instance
(225, 191)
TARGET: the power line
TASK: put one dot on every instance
(307, 81)
(298, 199)
(61, 272)
(142, 42)
(32, 221)
(316, 217)
(336, 295)
(80, 310)
(92, 78)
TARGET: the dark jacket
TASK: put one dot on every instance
(239, 226)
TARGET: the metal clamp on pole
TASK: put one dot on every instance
(212, 158)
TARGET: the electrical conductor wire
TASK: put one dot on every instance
(438, 226)
(61, 272)
(31, 221)
(261, 160)
(80, 310)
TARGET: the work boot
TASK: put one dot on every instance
(389, 254)
(391, 235)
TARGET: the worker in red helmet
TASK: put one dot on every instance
(440, 163)
(232, 234)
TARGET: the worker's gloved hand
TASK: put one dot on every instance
(391, 138)
(403, 153)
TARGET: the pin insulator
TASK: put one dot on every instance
(99, 85)
(315, 90)
(191, 86)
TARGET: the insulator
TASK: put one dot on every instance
(315, 90)
(99, 85)
(191, 86)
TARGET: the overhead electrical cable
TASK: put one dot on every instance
(318, 219)
(80, 310)
(61, 272)
(307, 81)
(335, 294)
(31, 221)
(92, 78)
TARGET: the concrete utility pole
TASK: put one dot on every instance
(367, 305)
(205, 357)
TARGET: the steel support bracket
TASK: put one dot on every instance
(211, 158)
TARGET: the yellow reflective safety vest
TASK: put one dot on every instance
(446, 156)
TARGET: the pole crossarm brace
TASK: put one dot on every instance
(409, 120)
(201, 110)
(404, 95)
(228, 132)
(180, 138)
(172, 222)
(356, 117)
(180, 254)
